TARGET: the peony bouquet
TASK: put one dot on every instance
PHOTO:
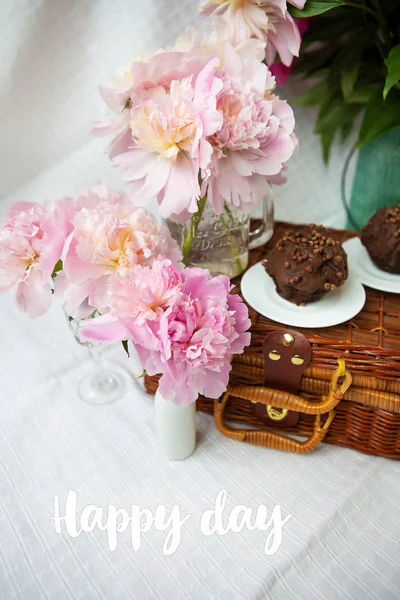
(201, 121)
(195, 123)
(114, 268)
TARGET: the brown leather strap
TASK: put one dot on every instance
(287, 353)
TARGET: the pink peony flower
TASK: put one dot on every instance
(169, 146)
(207, 120)
(109, 238)
(198, 334)
(267, 20)
(256, 137)
(184, 325)
(160, 134)
(31, 243)
(156, 70)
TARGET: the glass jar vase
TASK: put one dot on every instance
(221, 243)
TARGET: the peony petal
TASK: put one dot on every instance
(216, 385)
(177, 390)
(214, 196)
(21, 206)
(99, 295)
(182, 189)
(244, 167)
(33, 296)
(232, 62)
(79, 271)
(206, 88)
(115, 98)
(154, 182)
(120, 144)
(205, 154)
(286, 39)
(102, 329)
(136, 164)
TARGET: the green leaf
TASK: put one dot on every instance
(142, 375)
(393, 66)
(58, 267)
(311, 62)
(345, 131)
(351, 51)
(362, 94)
(125, 346)
(313, 8)
(348, 78)
(380, 116)
(323, 30)
(327, 140)
(314, 95)
(335, 114)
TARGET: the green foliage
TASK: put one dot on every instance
(348, 78)
(57, 269)
(351, 51)
(312, 8)
(126, 347)
(380, 116)
(393, 66)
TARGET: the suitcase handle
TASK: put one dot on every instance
(280, 399)
(277, 441)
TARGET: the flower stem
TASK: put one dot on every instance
(192, 230)
(360, 6)
(384, 24)
(229, 213)
(231, 243)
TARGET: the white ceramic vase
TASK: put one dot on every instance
(175, 427)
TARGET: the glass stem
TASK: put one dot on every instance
(192, 229)
(95, 354)
(230, 241)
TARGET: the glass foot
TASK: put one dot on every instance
(103, 387)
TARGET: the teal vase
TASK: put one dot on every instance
(377, 179)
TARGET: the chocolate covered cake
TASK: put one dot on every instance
(306, 264)
(381, 237)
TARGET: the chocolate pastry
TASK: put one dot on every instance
(381, 237)
(306, 264)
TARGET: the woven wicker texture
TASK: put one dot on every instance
(368, 417)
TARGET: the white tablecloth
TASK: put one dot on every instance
(343, 538)
(342, 541)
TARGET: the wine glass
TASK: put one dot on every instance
(103, 385)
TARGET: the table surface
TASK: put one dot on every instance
(342, 540)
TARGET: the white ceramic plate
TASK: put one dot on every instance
(364, 269)
(336, 307)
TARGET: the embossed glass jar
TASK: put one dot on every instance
(221, 243)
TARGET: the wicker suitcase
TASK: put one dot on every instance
(347, 392)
